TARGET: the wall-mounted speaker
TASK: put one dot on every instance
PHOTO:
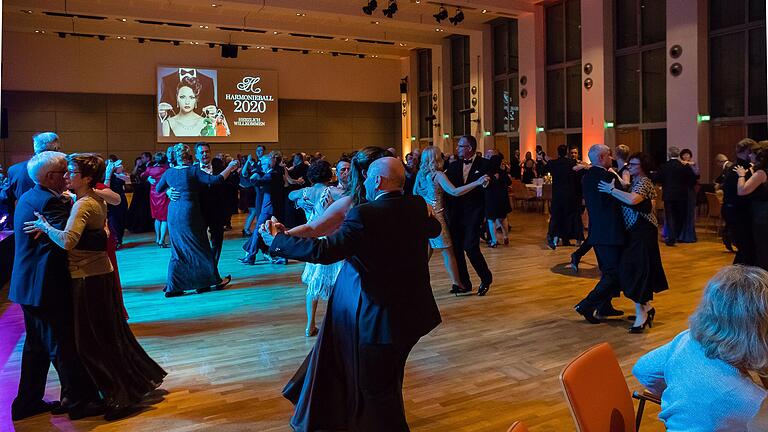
(229, 51)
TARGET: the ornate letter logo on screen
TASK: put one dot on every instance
(249, 84)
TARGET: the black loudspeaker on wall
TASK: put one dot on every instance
(229, 51)
(4, 123)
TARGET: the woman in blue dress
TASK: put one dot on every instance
(192, 265)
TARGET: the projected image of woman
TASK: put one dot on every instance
(186, 122)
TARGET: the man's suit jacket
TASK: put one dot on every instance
(214, 198)
(205, 98)
(606, 223)
(40, 274)
(386, 240)
(675, 179)
(19, 182)
(470, 206)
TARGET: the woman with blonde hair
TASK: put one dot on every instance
(432, 184)
(704, 375)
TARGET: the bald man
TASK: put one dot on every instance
(381, 305)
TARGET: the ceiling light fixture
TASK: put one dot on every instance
(211, 45)
(141, 40)
(274, 49)
(370, 7)
(305, 51)
(176, 43)
(456, 19)
(215, 5)
(391, 9)
(485, 11)
(375, 22)
(27, 11)
(102, 37)
(300, 14)
(441, 14)
(123, 20)
(275, 33)
(62, 35)
(203, 26)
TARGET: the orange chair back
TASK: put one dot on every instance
(517, 427)
(597, 392)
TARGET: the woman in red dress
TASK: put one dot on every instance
(158, 202)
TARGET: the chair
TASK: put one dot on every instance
(520, 193)
(714, 206)
(517, 427)
(598, 395)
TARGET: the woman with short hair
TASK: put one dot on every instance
(703, 374)
(641, 270)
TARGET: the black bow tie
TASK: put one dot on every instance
(467, 161)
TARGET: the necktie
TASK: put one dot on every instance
(467, 162)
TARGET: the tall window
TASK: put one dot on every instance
(640, 71)
(564, 65)
(424, 59)
(737, 62)
(640, 27)
(506, 100)
(460, 99)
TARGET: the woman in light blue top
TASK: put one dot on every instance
(705, 375)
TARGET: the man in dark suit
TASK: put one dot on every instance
(206, 99)
(40, 283)
(18, 178)
(386, 241)
(736, 209)
(465, 215)
(675, 179)
(213, 198)
(606, 232)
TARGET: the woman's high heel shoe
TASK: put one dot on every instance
(312, 331)
(640, 329)
(651, 316)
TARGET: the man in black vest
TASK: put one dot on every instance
(465, 215)
(40, 283)
(606, 231)
(386, 242)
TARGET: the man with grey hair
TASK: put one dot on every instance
(18, 178)
(606, 232)
(381, 305)
(40, 283)
(675, 179)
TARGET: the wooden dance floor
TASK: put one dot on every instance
(492, 361)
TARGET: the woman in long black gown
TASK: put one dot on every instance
(324, 389)
(497, 200)
(757, 189)
(115, 180)
(139, 216)
(192, 266)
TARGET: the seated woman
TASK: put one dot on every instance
(703, 374)
(186, 122)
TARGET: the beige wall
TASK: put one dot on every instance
(125, 125)
(78, 65)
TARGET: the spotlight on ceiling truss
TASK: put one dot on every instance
(370, 7)
(391, 9)
(456, 19)
(441, 14)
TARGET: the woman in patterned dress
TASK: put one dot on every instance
(642, 273)
(314, 200)
(432, 184)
